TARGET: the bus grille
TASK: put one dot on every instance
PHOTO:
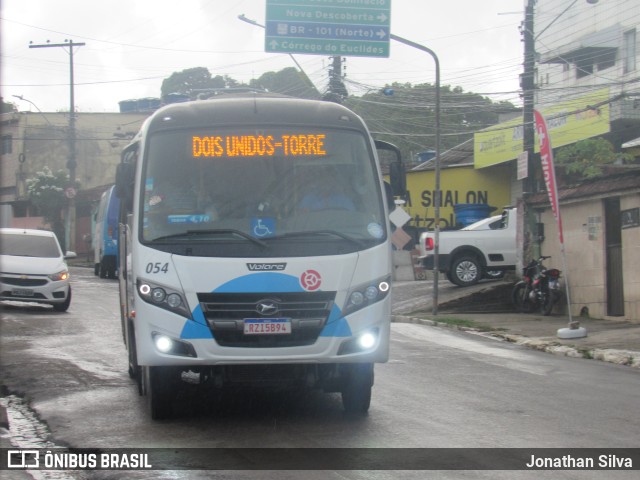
(225, 314)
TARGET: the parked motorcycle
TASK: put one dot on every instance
(538, 289)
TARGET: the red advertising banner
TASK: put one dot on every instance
(548, 170)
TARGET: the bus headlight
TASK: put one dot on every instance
(163, 343)
(366, 294)
(158, 294)
(174, 300)
(367, 340)
(163, 297)
(362, 342)
(356, 299)
(172, 346)
(371, 293)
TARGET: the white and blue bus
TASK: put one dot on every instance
(255, 249)
(105, 235)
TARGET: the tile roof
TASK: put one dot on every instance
(459, 155)
(624, 180)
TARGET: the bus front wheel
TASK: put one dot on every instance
(356, 390)
(160, 385)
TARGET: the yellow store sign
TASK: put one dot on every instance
(568, 122)
(458, 185)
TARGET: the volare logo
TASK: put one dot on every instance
(266, 267)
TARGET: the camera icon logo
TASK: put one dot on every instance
(23, 459)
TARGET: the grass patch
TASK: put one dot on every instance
(455, 322)
(586, 353)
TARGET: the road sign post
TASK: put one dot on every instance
(330, 27)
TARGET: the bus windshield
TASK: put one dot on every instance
(279, 186)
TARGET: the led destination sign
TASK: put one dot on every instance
(258, 145)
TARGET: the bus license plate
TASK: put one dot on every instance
(22, 292)
(267, 326)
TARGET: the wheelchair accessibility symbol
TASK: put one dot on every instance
(263, 227)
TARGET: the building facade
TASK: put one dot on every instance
(587, 46)
(601, 226)
(33, 141)
(587, 70)
(588, 57)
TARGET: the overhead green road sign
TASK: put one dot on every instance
(329, 27)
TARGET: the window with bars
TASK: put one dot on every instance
(7, 144)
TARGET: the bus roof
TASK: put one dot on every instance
(250, 109)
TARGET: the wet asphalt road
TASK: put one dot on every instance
(440, 389)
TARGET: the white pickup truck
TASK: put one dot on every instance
(484, 249)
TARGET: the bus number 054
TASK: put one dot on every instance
(157, 267)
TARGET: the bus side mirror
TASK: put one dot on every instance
(397, 178)
(388, 190)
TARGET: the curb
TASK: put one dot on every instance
(618, 357)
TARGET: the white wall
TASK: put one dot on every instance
(580, 20)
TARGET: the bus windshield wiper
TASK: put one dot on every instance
(335, 233)
(221, 231)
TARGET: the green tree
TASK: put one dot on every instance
(190, 80)
(287, 81)
(7, 107)
(46, 192)
(407, 117)
(587, 158)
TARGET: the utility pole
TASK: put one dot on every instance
(528, 130)
(337, 91)
(71, 163)
(438, 193)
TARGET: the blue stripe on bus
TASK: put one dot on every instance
(198, 316)
(193, 330)
(268, 282)
(337, 325)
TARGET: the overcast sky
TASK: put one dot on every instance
(132, 45)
